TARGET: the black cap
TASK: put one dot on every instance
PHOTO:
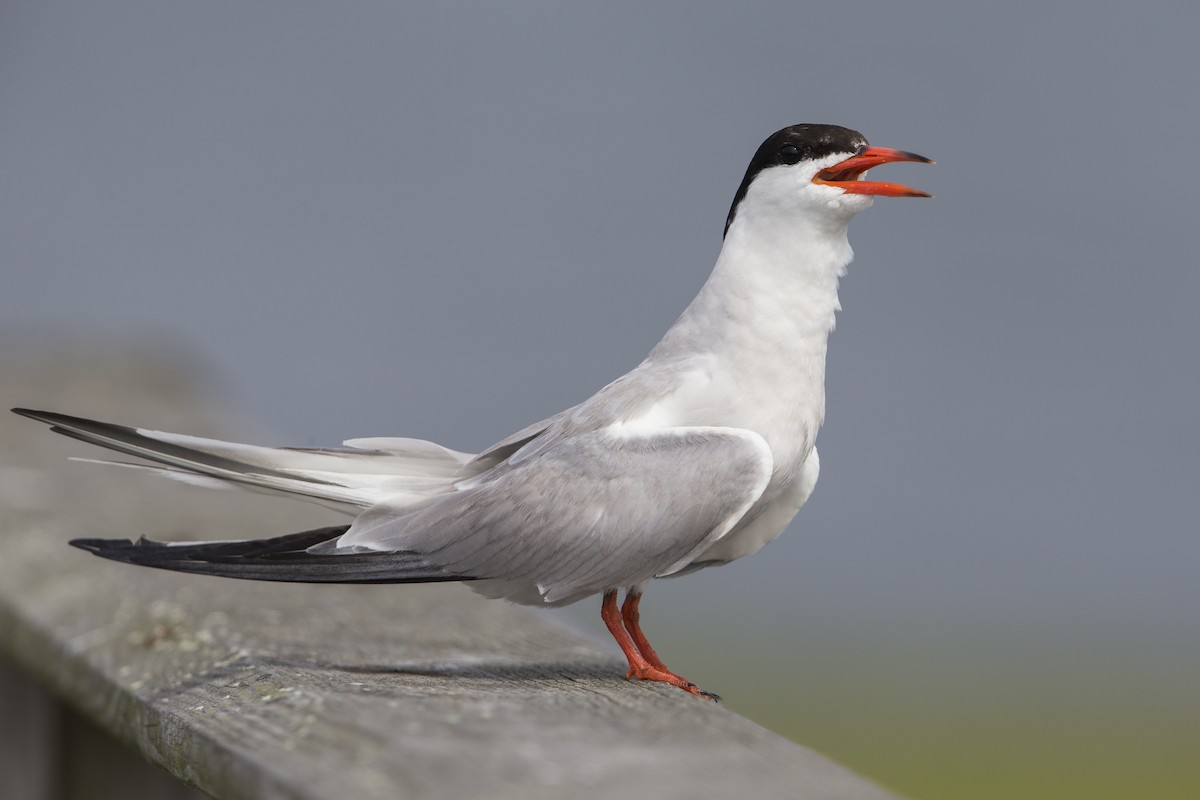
(792, 145)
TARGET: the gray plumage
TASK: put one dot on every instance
(588, 510)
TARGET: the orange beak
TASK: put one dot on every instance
(845, 175)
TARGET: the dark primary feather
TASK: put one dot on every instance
(283, 558)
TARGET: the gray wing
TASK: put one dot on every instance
(594, 511)
(511, 444)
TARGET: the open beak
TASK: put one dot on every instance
(845, 174)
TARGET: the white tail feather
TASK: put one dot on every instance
(402, 471)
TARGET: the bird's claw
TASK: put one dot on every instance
(650, 673)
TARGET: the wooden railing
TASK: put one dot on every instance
(249, 690)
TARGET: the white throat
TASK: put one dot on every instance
(772, 294)
(759, 329)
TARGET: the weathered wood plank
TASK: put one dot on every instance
(251, 690)
(29, 737)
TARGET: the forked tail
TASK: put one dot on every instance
(370, 470)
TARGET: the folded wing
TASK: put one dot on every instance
(591, 512)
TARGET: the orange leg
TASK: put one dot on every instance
(629, 613)
(640, 666)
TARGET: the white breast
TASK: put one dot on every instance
(771, 519)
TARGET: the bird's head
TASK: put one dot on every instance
(813, 173)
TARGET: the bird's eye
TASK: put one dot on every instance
(789, 154)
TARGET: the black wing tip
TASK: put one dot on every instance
(109, 548)
(283, 558)
(40, 415)
(55, 419)
(96, 545)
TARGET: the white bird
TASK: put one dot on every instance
(700, 455)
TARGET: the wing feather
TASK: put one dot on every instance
(595, 511)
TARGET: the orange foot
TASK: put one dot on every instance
(644, 663)
(652, 673)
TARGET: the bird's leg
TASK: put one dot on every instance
(629, 613)
(639, 666)
(632, 620)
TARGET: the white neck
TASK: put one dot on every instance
(758, 330)
(772, 295)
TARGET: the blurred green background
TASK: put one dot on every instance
(967, 714)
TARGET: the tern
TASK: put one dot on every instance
(702, 454)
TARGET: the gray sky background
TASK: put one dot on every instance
(447, 223)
